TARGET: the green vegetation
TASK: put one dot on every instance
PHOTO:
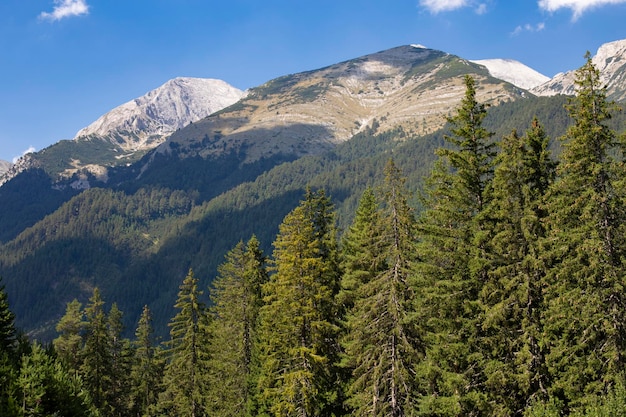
(497, 291)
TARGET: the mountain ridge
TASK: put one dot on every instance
(610, 60)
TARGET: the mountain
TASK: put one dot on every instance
(514, 72)
(610, 60)
(409, 86)
(4, 166)
(133, 227)
(144, 121)
(126, 133)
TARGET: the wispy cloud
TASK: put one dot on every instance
(528, 28)
(66, 8)
(438, 6)
(30, 149)
(578, 7)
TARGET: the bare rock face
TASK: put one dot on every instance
(145, 122)
(610, 60)
(4, 167)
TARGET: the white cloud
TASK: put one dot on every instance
(436, 6)
(578, 7)
(30, 149)
(528, 28)
(66, 8)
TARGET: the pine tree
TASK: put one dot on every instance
(381, 344)
(451, 268)
(96, 355)
(47, 389)
(236, 296)
(512, 297)
(69, 343)
(586, 316)
(8, 334)
(362, 249)
(184, 378)
(298, 331)
(118, 394)
(146, 372)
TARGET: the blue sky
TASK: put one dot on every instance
(64, 63)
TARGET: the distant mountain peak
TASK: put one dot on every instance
(514, 72)
(4, 166)
(610, 60)
(144, 122)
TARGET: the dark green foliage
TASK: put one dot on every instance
(512, 296)
(47, 389)
(237, 298)
(298, 332)
(586, 249)
(451, 270)
(187, 355)
(381, 343)
(69, 343)
(7, 324)
(146, 372)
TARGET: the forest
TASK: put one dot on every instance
(502, 295)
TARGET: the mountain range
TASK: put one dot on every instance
(175, 178)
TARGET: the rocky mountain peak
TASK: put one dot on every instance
(610, 60)
(144, 122)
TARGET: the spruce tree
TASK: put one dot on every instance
(146, 372)
(512, 296)
(69, 343)
(586, 318)
(362, 249)
(381, 345)
(8, 334)
(451, 268)
(298, 331)
(96, 363)
(118, 394)
(236, 296)
(186, 370)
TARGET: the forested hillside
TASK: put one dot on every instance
(501, 294)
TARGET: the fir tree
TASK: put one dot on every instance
(586, 317)
(298, 329)
(381, 342)
(236, 296)
(69, 343)
(8, 334)
(451, 268)
(186, 370)
(146, 372)
(96, 355)
(118, 394)
(512, 298)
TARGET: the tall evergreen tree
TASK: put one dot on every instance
(451, 268)
(185, 375)
(8, 358)
(381, 345)
(96, 355)
(118, 394)
(8, 334)
(69, 343)
(236, 296)
(298, 329)
(586, 320)
(146, 372)
(362, 251)
(512, 296)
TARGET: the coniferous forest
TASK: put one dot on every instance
(502, 296)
